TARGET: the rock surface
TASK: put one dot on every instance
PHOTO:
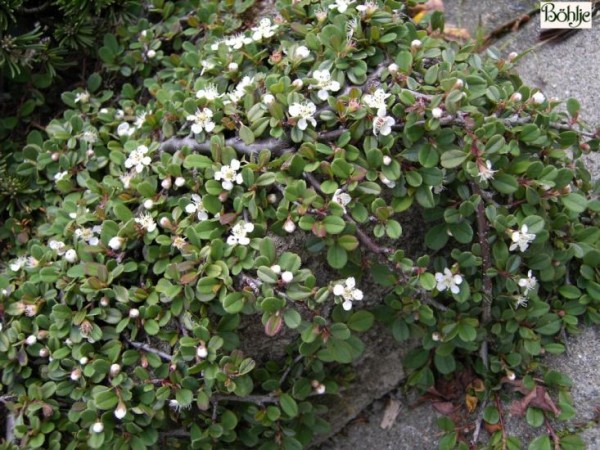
(568, 68)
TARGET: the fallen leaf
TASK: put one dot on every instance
(392, 409)
(492, 428)
(537, 397)
(443, 407)
(456, 34)
(471, 402)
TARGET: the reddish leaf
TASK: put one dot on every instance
(227, 218)
(443, 407)
(273, 325)
(318, 229)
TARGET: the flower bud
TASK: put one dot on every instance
(71, 256)
(179, 181)
(55, 156)
(76, 374)
(287, 276)
(83, 360)
(98, 427)
(116, 242)
(416, 44)
(268, 99)
(276, 268)
(298, 83)
(120, 410)
(166, 183)
(164, 222)
(437, 112)
(134, 313)
(31, 339)
(510, 375)
(201, 351)
(512, 56)
(387, 160)
(516, 97)
(90, 153)
(320, 389)
(233, 67)
(302, 52)
(436, 337)
(538, 98)
(104, 302)
(272, 198)
(459, 84)
(148, 203)
(44, 352)
(393, 68)
(289, 226)
(150, 54)
(115, 369)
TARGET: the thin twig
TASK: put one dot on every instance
(552, 433)
(502, 429)
(297, 359)
(257, 399)
(147, 348)
(478, 423)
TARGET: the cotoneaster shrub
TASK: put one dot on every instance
(171, 206)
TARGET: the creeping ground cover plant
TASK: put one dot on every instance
(293, 179)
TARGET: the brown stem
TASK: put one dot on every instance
(297, 359)
(147, 348)
(502, 429)
(483, 231)
(257, 399)
(552, 433)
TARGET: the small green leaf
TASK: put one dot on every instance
(288, 405)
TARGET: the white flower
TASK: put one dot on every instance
(140, 119)
(302, 52)
(125, 130)
(116, 243)
(202, 120)
(240, 89)
(377, 100)
(385, 180)
(197, 207)
(119, 114)
(521, 239)
(146, 221)
(31, 339)
(383, 124)
(305, 112)
(276, 268)
(287, 276)
(520, 300)
(393, 68)
(538, 98)
(179, 242)
(32, 262)
(239, 233)
(228, 174)
(263, 30)
(516, 97)
(348, 292)
(485, 171)
(126, 179)
(82, 97)
(529, 283)
(238, 41)
(60, 176)
(325, 83)
(436, 113)
(120, 411)
(75, 374)
(448, 280)
(138, 159)
(179, 181)
(268, 99)
(151, 53)
(57, 246)
(89, 136)
(320, 14)
(416, 44)
(98, 427)
(71, 256)
(176, 406)
(209, 93)
(148, 203)
(89, 234)
(368, 8)
(341, 198)
(206, 65)
(341, 5)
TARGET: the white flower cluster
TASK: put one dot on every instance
(448, 280)
(527, 284)
(209, 92)
(303, 111)
(264, 30)
(239, 233)
(228, 174)
(138, 159)
(341, 5)
(240, 90)
(341, 198)
(347, 290)
(382, 123)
